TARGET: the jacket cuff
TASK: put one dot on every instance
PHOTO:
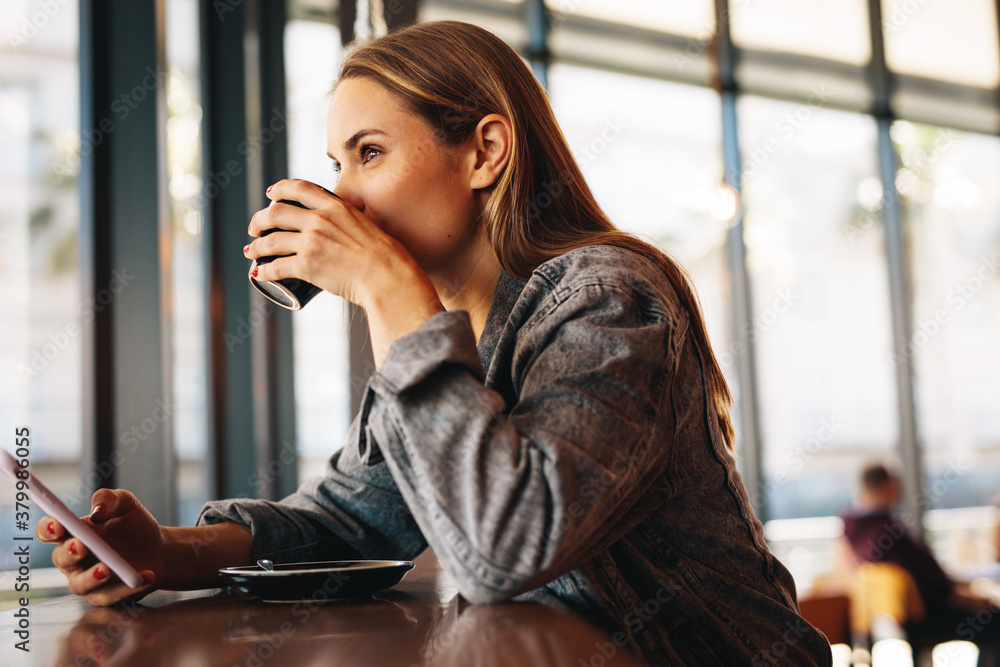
(270, 539)
(445, 338)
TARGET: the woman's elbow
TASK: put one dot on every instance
(488, 586)
(477, 592)
(488, 572)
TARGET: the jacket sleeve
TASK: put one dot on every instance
(353, 511)
(511, 497)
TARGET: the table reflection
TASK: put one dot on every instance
(517, 634)
(239, 630)
(421, 622)
(227, 629)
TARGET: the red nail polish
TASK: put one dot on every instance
(100, 508)
(51, 527)
(254, 272)
(72, 548)
(269, 188)
(100, 574)
(246, 249)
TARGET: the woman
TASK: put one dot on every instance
(547, 414)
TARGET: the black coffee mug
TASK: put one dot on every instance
(290, 293)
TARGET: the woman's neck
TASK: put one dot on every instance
(471, 288)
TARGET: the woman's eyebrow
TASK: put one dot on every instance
(355, 138)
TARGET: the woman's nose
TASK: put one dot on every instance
(349, 194)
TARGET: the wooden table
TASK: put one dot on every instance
(421, 621)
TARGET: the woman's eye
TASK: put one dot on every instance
(368, 153)
(336, 167)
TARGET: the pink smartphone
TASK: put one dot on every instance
(72, 523)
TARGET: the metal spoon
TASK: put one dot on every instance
(266, 564)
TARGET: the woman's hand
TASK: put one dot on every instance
(334, 246)
(119, 518)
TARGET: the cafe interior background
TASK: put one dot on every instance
(833, 189)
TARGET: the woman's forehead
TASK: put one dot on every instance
(360, 105)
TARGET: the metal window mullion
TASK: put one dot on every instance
(749, 408)
(899, 291)
(272, 342)
(899, 288)
(127, 400)
(226, 215)
(537, 22)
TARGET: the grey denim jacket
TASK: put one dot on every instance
(572, 457)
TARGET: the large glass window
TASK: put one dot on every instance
(651, 153)
(40, 337)
(821, 310)
(951, 207)
(692, 18)
(952, 41)
(503, 17)
(656, 39)
(833, 30)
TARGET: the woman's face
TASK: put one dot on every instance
(393, 170)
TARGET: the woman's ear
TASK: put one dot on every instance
(492, 139)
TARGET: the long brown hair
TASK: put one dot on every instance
(453, 74)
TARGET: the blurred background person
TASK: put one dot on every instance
(950, 610)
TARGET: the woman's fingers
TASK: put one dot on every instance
(49, 530)
(287, 216)
(278, 243)
(116, 591)
(119, 517)
(68, 555)
(84, 580)
(101, 587)
(307, 193)
(281, 268)
(300, 254)
(268, 271)
(333, 245)
(106, 504)
(279, 215)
